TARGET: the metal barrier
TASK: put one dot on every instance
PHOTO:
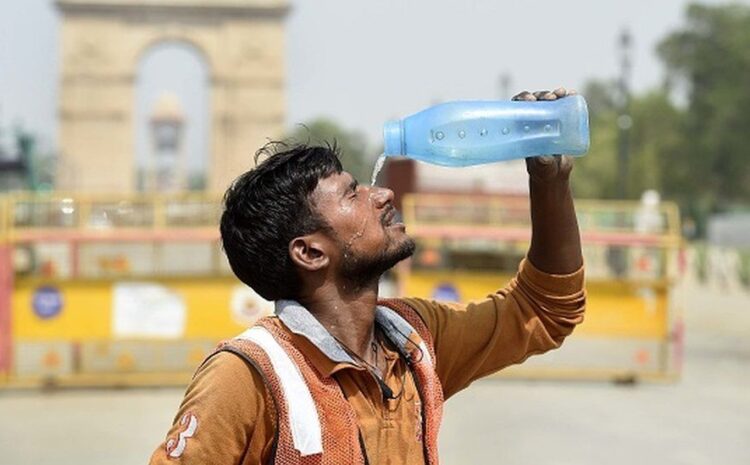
(491, 216)
(134, 290)
(112, 289)
(470, 245)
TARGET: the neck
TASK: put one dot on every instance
(348, 314)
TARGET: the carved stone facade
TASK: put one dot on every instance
(103, 41)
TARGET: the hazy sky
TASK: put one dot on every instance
(361, 62)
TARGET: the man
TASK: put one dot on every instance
(336, 376)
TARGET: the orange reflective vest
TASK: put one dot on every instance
(314, 422)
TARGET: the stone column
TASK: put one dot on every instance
(247, 96)
(95, 110)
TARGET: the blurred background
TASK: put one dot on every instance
(123, 121)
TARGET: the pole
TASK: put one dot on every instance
(624, 120)
(6, 293)
(503, 85)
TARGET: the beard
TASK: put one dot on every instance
(362, 270)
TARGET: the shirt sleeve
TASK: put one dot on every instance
(533, 314)
(224, 417)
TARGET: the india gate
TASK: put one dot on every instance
(102, 42)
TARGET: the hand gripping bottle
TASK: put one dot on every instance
(467, 133)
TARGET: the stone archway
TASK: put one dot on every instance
(102, 43)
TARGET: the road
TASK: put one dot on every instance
(703, 419)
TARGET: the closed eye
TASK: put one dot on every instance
(353, 187)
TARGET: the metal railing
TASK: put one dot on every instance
(466, 215)
(57, 235)
(28, 217)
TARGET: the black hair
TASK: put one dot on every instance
(266, 207)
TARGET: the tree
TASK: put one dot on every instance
(654, 136)
(352, 144)
(595, 174)
(709, 55)
(655, 140)
(695, 155)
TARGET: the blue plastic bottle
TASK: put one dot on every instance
(474, 132)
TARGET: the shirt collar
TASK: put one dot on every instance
(301, 322)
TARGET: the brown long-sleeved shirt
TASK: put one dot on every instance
(226, 413)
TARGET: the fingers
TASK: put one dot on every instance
(545, 95)
(563, 92)
(527, 96)
(558, 161)
(542, 163)
(549, 167)
(547, 159)
(524, 96)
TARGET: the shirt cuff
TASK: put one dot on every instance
(551, 284)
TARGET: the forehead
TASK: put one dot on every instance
(332, 187)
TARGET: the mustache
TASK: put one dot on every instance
(390, 209)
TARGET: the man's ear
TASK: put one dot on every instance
(309, 252)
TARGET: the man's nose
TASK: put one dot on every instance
(381, 196)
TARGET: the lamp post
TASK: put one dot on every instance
(167, 124)
(624, 120)
(503, 85)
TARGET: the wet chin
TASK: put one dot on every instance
(403, 250)
(370, 267)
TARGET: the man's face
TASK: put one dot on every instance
(364, 225)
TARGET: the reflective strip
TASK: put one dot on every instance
(303, 415)
(426, 352)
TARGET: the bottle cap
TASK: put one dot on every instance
(393, 142)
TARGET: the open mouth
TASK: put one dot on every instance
(388, 217)
(391, 218)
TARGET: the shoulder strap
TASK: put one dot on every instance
(226, 347)
(314, 422)
(428, 384)
(303, 414)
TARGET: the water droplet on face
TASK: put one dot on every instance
(527, 128)
(506, 130)
(547, 128)
(461, 134)
(483, 132)
(439, 135)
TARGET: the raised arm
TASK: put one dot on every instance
(555, 240)
(539, 308)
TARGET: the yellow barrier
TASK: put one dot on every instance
(117, 288)
(633, 310)
(83, 261)
(470, 246)
(88, 308)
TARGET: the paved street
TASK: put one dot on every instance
(704, 419)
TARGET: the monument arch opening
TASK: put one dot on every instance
(172, 101)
